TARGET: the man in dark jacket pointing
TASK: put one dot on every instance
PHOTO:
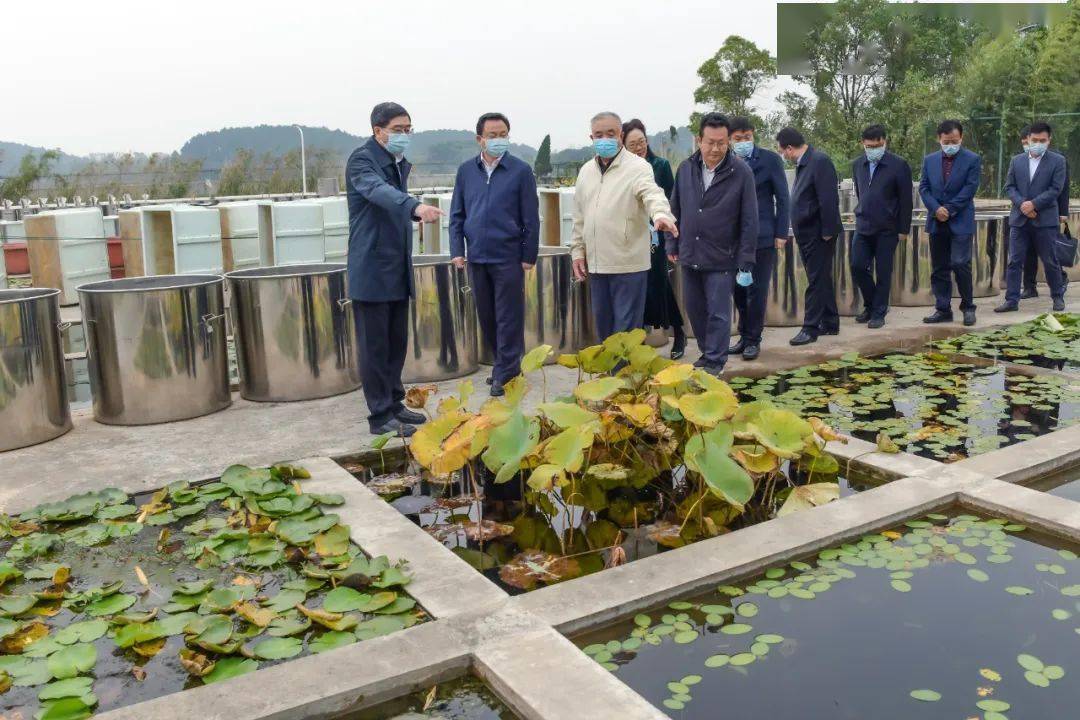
(715, 208)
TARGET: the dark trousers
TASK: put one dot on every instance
(1042, 239)
(1031, 269)
(707, 299)
(382, 337)
(499, 292)
(820, 314)
(618, 301)
(950, 255)
(751, 301)
(871, 269)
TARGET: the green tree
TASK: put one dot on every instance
(32, 169)
(730, 78)
(542, 164)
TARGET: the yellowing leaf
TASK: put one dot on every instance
(674, 374)
(566, 414)
(885, 444)
(825, 432)
(426, 443)
(760, 463)
(417, 396)
(598, 389)
(545, 478)
(568, 361)
(710, 407)
(803, 497)
(535, 358)
(639, 413)
(991, 675)
(255, 614)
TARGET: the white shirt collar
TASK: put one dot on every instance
(490, 168)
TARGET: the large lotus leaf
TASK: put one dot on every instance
(515, 391)
(73, 660)
(599, 389)
(746, 415)
(707, 455)
(69, 708)
(86, 631)
(708, 408)
(527, 569)
(781, 431)
(426, 443)
(674, 374)
(755, 458)
(497, 410)
(597, 359)
(621, 343)
(463, 444)
(230, 667)
(534, 359)
(803, 497)
(278, 648)
(110, 605)
(333, 542)
(642, 357)
(545, 478)
(566, 414)
(641, 414)
(565, 450)
(509, 443)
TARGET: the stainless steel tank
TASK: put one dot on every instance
(156, 348)
(911, 270)
(848, 298)
(554, 311)
(442, 322)
(294, 332)
(1073, 273)
(677, 287)
(986, 257)
(786, 292)
(33, 394)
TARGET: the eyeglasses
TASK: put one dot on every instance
(400, 129)
(637, 144)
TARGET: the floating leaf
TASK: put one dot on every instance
(977, 575)
(330, 640)
(925, 695)
(715, 661)
(67, 662)
(230, 667)
(279, 648)
(110, 605)
(1029, 662)
(736, 629)
(991, 675)
(804, 497)
(1019, 590)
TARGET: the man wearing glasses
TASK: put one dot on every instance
(381, 214)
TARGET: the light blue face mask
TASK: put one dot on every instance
(743, 148)
(1037, 149)
(398, 143)
(606, 147)
(496, 147)
(874, 154)
(950, 149)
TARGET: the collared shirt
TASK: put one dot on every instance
(707, 174)
(1033, 165)
(946, 166)
(489, 168)
(873, 167)
(605, 163)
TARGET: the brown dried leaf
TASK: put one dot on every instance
(150, 648)
(393, 483)
(824, 431)
(665, 533)
(486, 530)
(61, 576)
(195, 662)
(417, 396)
(255, 614)
(527, 569)
(139, 673)
(430, 698)
(30, 633)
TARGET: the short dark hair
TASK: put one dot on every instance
(790, 137)
(634, 124)
(713, 120)
(1040, 126)
(947, 126)
(490, 116)
(1025, 131)
(873, 132)
(740, 124)
(384, 112)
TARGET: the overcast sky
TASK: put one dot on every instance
(125, 75)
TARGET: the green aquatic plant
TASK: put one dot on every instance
(1051, 340)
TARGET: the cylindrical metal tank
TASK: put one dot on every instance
(156, 348)
(551, 314)
(1073, 273)
(294, 332)
(848, 298)
(442, 322)
(33, 395)
(785, 305)
(911, 270)
(986, 254)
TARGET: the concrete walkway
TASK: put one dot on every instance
(142, 458)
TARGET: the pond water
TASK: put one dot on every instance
(466, 698)
(1028, 343)
(193, 561)
(949, 616)
(929, 406)
(1064, 484)
(442, 508)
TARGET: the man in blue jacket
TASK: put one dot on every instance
(1034, 184)
(883, 188)
(815, 223)
(950, 178)
(770, 184)
(495, 213)
(381, 213)
(715, 209)
(1031, 260)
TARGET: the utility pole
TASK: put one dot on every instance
(303, 160)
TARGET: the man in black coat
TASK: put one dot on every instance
(815, 223)
(1031, 260)
(381, 214)
(715, 208)
(883, 186)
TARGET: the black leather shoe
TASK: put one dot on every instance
(404, 415)
(496, 389)
(863, 317)
(803, 338)
(714, 370)
(678, 345)
(737, 348)
(938, 317)
(700, 362)
(751, 352)
(489, 379)
(1059, 304)
(1006, 307)
(828, 331)
(875, 323)
(969, 317)
(1029, 293)
(393, 425)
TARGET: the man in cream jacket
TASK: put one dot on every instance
(614, 200)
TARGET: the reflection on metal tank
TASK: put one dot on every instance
(33, 396)
(1073, 273)
(848, 298)
(294, 332)
(442, 322)
(785, 305)
(555, 313)
(986, 255)
(911, 270)
(156, 348)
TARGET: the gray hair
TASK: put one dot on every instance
(606, 114)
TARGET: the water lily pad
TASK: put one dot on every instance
(736, 629)
(743, 659)
(110, 605)
(279, 648)
(925, 695)
(69, 708)
(1036, 678)
(67, 662)
(992, 705)
(1029, 662)
(1053, 672)
(747, 609)
(230, 667)
(715, 661)
(901, 586)
(977, 575)
(685, 636)
(1019, 590)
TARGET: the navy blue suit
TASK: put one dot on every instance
(1031, 260)
(1044, 191)
(498, 218)
(770, 185)
(380, 272)
(815, 216)
(951, 241)
(882, 215)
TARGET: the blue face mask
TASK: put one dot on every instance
(496, 147)
(606, 147)
(874, 154)
(950, 149)
(743, 148)
(1037, 149)
(398, 143)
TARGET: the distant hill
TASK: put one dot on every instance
(11, 154)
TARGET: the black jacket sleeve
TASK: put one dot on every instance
(826, 185)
